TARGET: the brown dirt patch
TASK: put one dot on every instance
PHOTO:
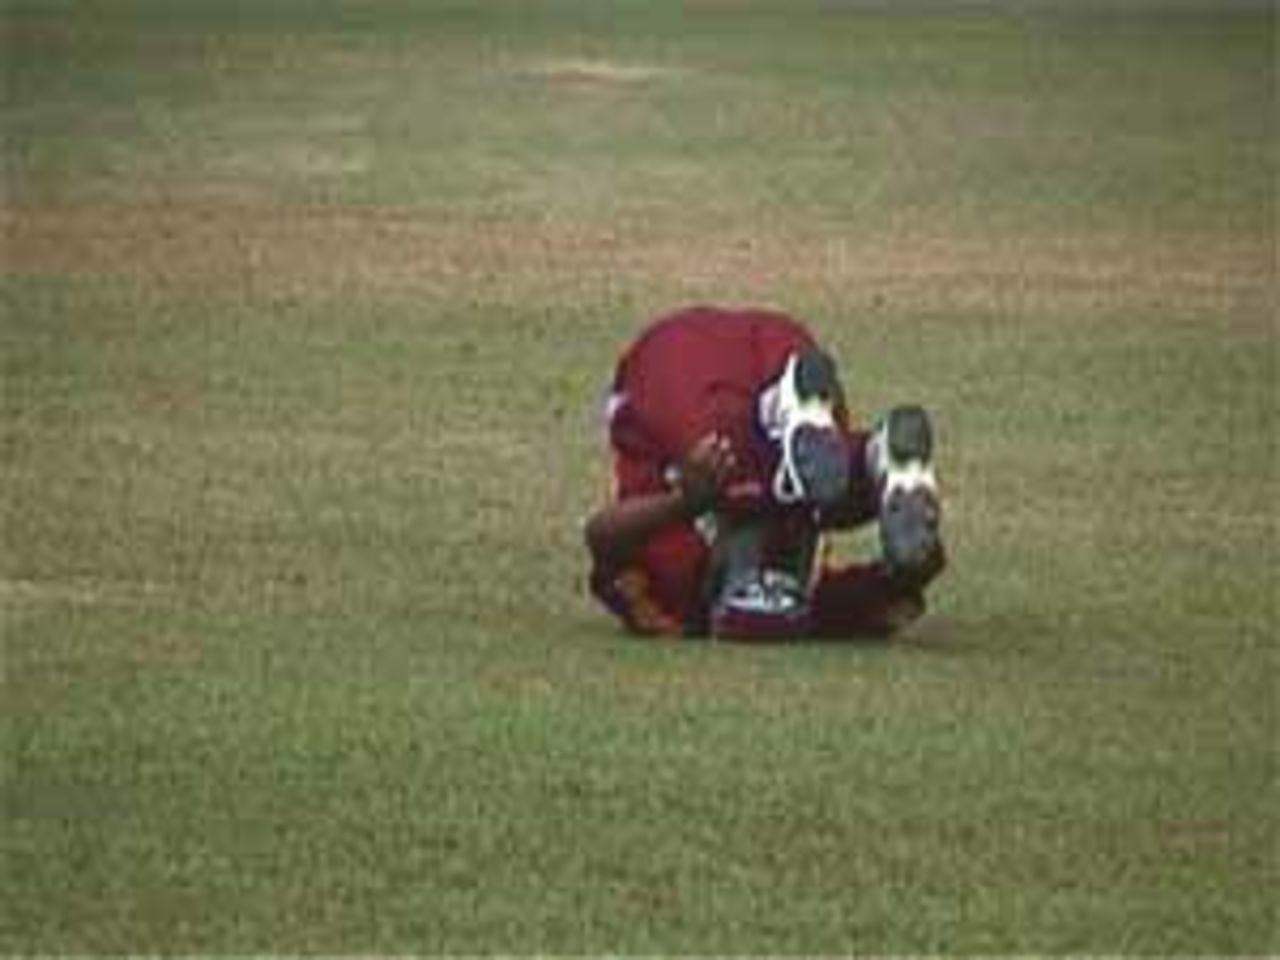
(236, 249)
(607, 73)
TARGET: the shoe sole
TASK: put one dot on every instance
(909, 436)
(909, 534)
(910, 513)
(816, 376)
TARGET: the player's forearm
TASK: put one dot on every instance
(615, 532)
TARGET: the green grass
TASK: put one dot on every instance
(307, 310)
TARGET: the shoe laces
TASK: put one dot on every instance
(783, 412)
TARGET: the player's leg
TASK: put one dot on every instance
(880, 598)
(758, 578)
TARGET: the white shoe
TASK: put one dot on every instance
(900, 457)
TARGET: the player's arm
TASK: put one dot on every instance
(616, 531)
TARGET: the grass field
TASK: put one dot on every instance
(308, 307)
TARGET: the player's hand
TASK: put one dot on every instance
(705, 471)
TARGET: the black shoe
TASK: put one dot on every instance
(814, 464)
(901, 455)
(817, 378)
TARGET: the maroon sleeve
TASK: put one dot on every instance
(636, 470)
(659, 592)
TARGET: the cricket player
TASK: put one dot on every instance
(733, 455)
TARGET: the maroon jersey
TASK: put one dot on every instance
(698, 371)
(690, 373)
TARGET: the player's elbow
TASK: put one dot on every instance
(603, 539)
(595, 536)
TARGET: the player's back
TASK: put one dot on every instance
(699, 369)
